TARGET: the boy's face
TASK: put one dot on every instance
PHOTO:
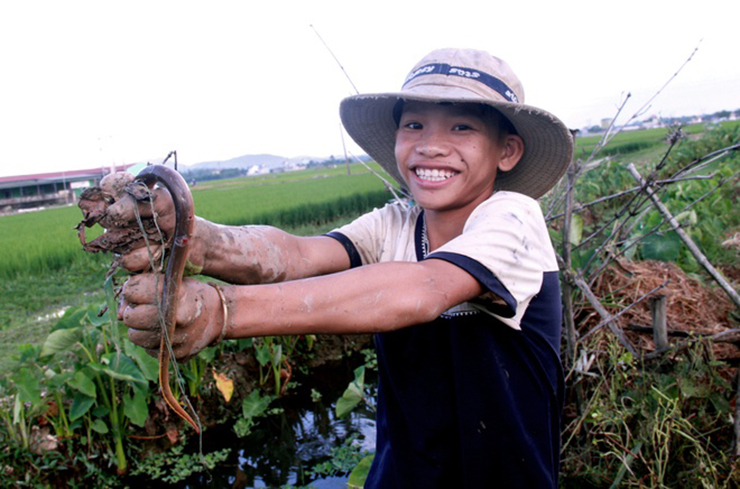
(449, 154)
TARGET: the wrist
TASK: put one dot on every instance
(223, 314)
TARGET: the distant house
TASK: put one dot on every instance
(44, 189)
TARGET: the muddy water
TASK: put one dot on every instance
(283, 448)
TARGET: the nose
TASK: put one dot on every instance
(431, 143)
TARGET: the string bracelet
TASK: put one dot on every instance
(225, 309)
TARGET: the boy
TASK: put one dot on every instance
(461, 288)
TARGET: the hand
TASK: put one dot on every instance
(115, 204)
(199, 315)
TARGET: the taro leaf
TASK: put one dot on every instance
(575, 233)
(60, 341)
(661, 247)
(29, 388)
(83, 382)
(359, 473)
(100, 426)
(147, 363)
(97, 319)
(262, 352)
(208, 355)
(72, 318)
(55, 381)
(135, 408)
(100, 411)
(80, 405)
(353, 394)
(121, 367)
(255, 405)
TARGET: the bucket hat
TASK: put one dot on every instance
(466, 76)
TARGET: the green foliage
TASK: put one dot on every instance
(704, 207)
(253, 406)
(663, 424)
(353, 395)
(344, 459)
(359, 474)
(357, 392)
(175, 466)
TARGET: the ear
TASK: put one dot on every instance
(512, 151)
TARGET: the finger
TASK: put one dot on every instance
(145, 288)
(143, 317)
(139, 260)
(124, 210)
(114, 185)
(145, 339)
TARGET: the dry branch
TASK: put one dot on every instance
(695, 251)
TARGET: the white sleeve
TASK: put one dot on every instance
(506, 236)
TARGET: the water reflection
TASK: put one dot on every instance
(284, 447)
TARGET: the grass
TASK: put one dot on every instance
(31, 303)
(638, 146)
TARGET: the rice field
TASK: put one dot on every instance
(36, 242)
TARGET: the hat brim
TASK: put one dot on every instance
(548, 144)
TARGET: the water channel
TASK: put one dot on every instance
(284, 447)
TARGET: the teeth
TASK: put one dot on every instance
(433, 175)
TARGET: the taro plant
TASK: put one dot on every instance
(273, 354)
(104, 375)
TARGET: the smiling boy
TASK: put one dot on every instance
(461, 288)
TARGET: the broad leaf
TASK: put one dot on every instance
(353, 395)
(29, 387)
(262, 352)
(83, 382)
(61, 340)
(80, 405)
(661, 247)
(359, 473)
(255, 405)
(72, 318)
(121, 367)
(55, 381)
(148, 364)
(135, 408)
(100, 426)
(96, 319)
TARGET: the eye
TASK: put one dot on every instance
(462, 127)
(413, 125)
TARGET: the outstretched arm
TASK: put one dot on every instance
(235, 254)
(375, 298)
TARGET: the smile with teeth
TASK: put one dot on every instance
(433, 175)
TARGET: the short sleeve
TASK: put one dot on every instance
(384, 234)
(505, 246)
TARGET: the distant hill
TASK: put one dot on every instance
(243, 162)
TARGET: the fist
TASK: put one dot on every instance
(199, 319)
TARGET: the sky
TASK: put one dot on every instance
(85, 84)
